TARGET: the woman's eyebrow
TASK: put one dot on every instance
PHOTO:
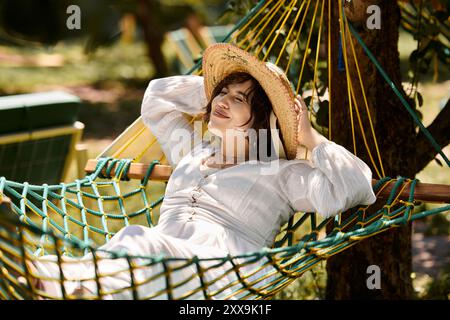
(238, 92)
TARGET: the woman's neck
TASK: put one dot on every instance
(232, 150)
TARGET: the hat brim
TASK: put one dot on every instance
(222, 59)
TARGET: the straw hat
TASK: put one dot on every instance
(222, 59)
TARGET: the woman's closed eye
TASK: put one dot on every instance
(239, 99)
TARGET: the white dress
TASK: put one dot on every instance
(214, 213)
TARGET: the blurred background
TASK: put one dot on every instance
(105, 65)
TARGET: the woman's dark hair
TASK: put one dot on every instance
(258, 100)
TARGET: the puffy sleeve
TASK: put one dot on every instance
(334, 181)
(165, 101)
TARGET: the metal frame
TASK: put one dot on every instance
(75, 130)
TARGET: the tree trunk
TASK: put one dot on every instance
(153, 36)
(394, 128)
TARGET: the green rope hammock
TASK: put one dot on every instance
(75, 219)
(64, 225)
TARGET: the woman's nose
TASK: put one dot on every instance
(223, 103)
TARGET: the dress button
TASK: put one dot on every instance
(191, 218)
(195, 195)
(193, 204)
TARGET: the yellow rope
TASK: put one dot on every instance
(408, 182)
(344, 50)
(150, 144)
(289, 34)
(288, 14)
(270, 16)
(306, 49)
(316, 67)
(298, 35)
(237, 34)
(366, 105)
(119, 177)
(316, 63)
(128, 142)
(384, 186)
(140, 155)
(352, 100)
(275, 27)
(251, 31)
(363, 133)
(329, 69)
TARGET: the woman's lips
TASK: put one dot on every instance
(220, 115)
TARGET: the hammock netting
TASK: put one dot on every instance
(75, 219)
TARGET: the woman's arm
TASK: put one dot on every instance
(164, 103)
(336, 181)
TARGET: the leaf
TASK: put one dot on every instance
(307, 100)
(322, 114)
(439, 162)
(419, 98)
(414, 56)
(419, 114)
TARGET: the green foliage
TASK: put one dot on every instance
(30, 22)
(236, 9)
(439, 288)
(438, 225)
(310, 286)
(208, 10)
(121, 63)
(429, 23)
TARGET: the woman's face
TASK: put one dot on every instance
(231, 109)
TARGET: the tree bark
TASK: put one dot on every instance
(153, 36)
(390, 250)
(440, 130)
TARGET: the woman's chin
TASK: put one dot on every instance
(213, 130)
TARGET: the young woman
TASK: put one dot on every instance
(227, 196)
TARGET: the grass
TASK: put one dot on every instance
(66, 65)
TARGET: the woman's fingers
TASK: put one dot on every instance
(301, 103)
(299, 106)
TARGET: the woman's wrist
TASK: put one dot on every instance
(312, 139)
(307, 135)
